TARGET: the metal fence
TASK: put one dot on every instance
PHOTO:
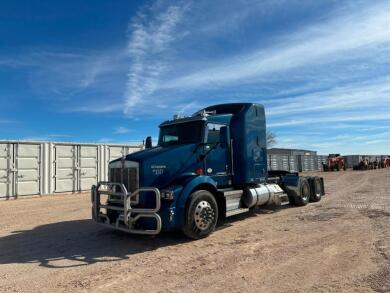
(353, 160)
(303, 163)
(296, 163)
(29, 168)
(283, 162)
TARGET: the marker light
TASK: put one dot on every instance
(199, 171)
(167, 194)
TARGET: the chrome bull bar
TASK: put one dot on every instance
(130, 215)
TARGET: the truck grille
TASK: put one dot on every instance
(126, 176)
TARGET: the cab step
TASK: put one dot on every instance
(236, 212)
(283, 199)
(233, 199)
(232, 192)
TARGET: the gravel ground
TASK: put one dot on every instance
(341, 244)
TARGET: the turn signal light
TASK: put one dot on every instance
(199, 171)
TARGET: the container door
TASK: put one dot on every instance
(65, 168)
(5, 170)
(115, 152)
(130, 150)
(88, 167)
(27, 163)
(293, 163)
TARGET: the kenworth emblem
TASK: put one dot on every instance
(158, 169)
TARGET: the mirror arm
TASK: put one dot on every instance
(203, 156)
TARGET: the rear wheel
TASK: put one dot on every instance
(316, 189)
(201, 215)
(304, 193)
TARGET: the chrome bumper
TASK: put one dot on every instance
(128, 216)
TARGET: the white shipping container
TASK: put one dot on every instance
(32, 168)
(5, 180)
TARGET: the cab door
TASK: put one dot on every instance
(217, 155)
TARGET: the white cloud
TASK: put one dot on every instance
(376, 141)
(121, 130)
(350, 34)
(7, 121)
(105, 140)
(68, 75)
(328, 73)
(151, 35)
(47, 137)
(97, 107)
(343, 117)
(344, 144)
(367, 95)
(113, 141)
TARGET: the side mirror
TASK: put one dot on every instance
(224, 136)
(148, 142)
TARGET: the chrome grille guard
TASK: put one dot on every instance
(128, 215)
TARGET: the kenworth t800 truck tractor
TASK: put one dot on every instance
(205, 167)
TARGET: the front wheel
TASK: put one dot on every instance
(201, 215)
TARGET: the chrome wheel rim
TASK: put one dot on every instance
(204, 215)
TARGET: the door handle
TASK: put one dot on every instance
(20, 176)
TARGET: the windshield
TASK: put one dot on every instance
(181, 133)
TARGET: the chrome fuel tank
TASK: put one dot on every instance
(260, 195)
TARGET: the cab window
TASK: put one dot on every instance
(213, 133)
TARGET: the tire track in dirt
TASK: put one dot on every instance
(376, 207)
(325, 246)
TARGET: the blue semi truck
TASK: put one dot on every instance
(205, 168)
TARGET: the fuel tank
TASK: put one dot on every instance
(261, 195)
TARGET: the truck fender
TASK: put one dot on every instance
(291, 185)
(189, 186)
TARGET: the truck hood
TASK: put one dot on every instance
(155, 151)
(159, 166)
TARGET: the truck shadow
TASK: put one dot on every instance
(77, 243)
(81, 242)
(257, 212)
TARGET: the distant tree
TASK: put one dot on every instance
(271, 139)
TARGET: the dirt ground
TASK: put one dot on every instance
(341, 244)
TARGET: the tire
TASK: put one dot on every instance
(201, 215)
(303, 197)
(112, 215)
(291, 199)
(315, 188)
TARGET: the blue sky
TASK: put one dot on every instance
(111, 71)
